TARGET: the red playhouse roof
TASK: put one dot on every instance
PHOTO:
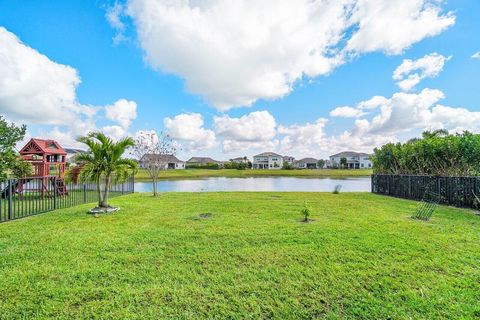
(42, 146)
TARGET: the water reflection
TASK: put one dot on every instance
(258, 184)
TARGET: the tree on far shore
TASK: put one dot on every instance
(151, 150)
(10, 162)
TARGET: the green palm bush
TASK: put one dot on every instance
(104, 163)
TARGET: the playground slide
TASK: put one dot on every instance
(5, 192)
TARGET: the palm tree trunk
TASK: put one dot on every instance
(99, 191)
(106, 192)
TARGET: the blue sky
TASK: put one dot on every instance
(142, 68)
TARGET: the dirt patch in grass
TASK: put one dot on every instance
(206, 215)
(307, 221)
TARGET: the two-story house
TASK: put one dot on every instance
(267, 160)
(354, 160)
(239, 160)
(288, 159)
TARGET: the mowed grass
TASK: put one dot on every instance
(142, 174)
(362, 257)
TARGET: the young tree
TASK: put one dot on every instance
(152, 151)
(104, 161)
(343, 162)
(321, 163)
(10, 134)
(21, 169)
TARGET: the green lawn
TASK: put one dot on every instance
(142, 174)
(362, 257)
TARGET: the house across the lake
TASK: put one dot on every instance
(72, 152)
(288, 159)
(203, 161)
(169, 161)
(239, 160)
(354, 160)
(306, 163)
(267, 160)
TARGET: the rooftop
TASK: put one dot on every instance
(167, 158)
(307, 160)
(268, 154)
(351, 154)
(43, 146)
(203, 160)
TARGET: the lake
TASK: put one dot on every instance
(258, 184)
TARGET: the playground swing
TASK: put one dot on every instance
(48, 160)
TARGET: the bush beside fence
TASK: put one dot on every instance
(455, 191)
(30, 196)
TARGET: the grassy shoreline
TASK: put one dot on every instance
(142, 174)
(362, 257)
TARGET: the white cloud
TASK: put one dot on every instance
(188, 129)
(361, 109)
(253, 130)
(38, 91)
(115, 132)
(346, 112)
(234, 53)
(123, 112)
(392, 26)
(372, 103)
(476, 55)
(114, 16)
(304, 139)
(405, 112)
(35, 89)
(411, 72)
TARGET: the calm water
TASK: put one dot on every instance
(258, 184)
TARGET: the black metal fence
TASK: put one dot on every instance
(24, 197)
(455, 191)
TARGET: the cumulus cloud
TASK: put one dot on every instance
(234, 53)
(411, 72)
(256, 129)
(304, 139)
(404, 112)
(392, 26)
(346, 112)
(36, 90)
(122, 111)
(188, 129)
(476, 55)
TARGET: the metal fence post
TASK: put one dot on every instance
(10, 209)
(84, 193)
(55, 193)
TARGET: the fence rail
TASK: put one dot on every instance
(455, 191)
(25, 197)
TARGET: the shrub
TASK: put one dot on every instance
(436, 153)
(213, 166)
(305, 212)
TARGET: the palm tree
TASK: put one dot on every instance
(104, 162)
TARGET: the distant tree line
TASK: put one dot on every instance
(437, 153)
(237, 165)
(208, 165)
